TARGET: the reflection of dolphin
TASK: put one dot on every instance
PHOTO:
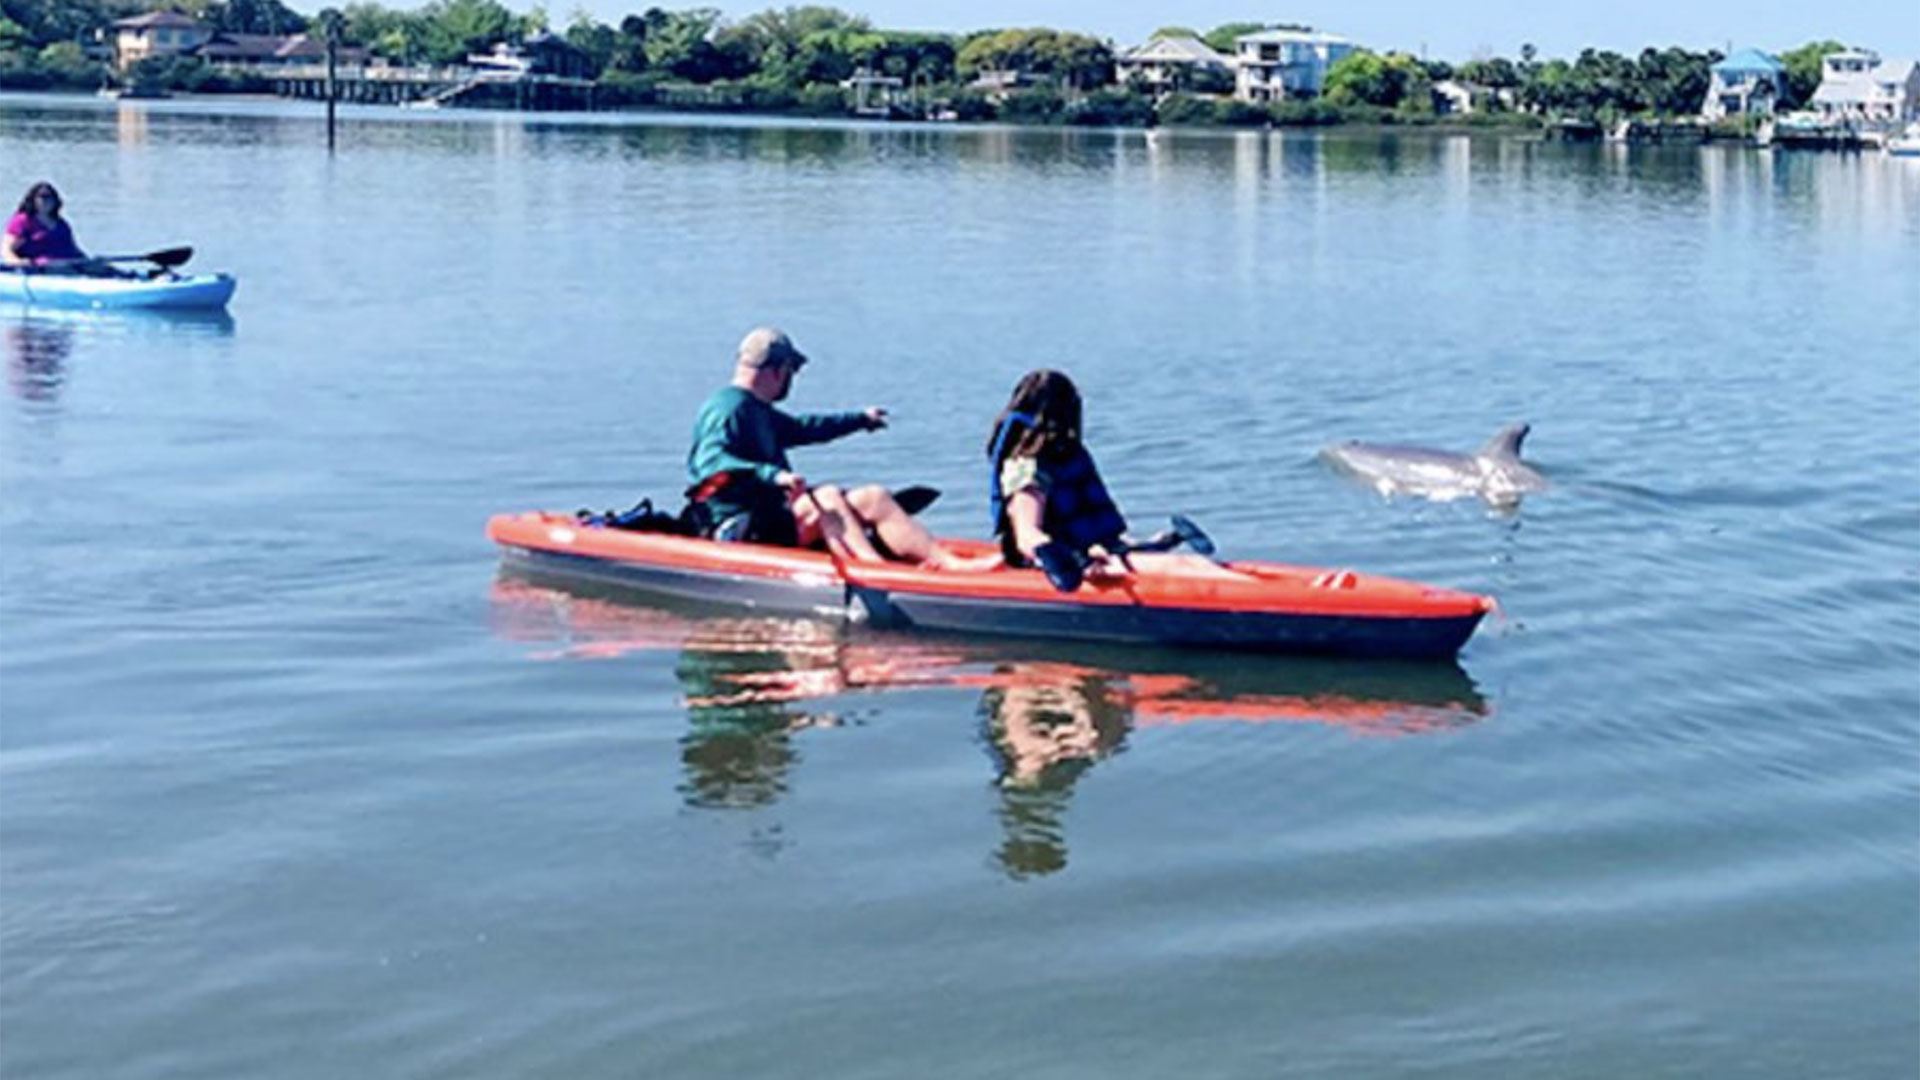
(1494, 472)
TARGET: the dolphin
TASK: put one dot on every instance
(1494, 472)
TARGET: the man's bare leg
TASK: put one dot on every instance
(840, 525)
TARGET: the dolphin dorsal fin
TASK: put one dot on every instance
(1506, 444)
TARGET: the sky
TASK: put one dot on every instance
(1456, 30)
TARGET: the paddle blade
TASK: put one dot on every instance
(1190, 534)
(916, 498)
(1061, 565)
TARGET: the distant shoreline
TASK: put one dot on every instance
(1506, 126)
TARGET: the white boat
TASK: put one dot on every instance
(1905, 144)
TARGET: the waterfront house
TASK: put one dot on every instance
(537, 54)
(1744, 84)
(1273, 65)
(1454, 98)
(997, 84)
(870, 93)
(157, 33)
(1859, 89)
(264, 52)
(1168, 64)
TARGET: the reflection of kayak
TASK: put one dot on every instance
(78, 291)
(1179, 600)
(776, 660)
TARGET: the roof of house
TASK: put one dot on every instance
(156, 19)
(544, 40)
(1850, 86)
(1749, 60)
(1277, 37)
(1173, 50)
(235, 46)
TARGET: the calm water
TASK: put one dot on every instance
(294, 783)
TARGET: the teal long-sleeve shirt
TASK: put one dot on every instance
(735, 430)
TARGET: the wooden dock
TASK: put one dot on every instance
(432, 87)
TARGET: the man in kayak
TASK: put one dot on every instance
(37, 236)
(744, 488)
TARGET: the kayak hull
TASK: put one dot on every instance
(1275, 631)
(197, 292)
(1169, 601)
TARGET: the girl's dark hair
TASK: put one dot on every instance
(33, 193)
(1053, 402)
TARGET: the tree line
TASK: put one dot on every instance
(795, 58)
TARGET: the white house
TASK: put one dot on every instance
(1744, 84)
(1454, 98)
(1273, 65)
(1858, 87)
(1166, 64)
(157, 33)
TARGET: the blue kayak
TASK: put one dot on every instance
(193, 291)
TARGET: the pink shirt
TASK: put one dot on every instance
(39, 243)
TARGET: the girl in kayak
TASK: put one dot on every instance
(1047, 499)
(39, 237)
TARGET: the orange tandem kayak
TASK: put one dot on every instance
(1176, 600)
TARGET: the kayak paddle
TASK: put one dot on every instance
(1184, 531)
(916, 498)
(167, 257)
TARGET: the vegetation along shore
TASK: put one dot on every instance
(822, 61)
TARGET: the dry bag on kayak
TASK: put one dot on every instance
(641, 518)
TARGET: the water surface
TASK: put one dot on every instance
(294, 783)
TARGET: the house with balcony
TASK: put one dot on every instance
(157, 33)
(1744, 84)
(1274, 65)
(1175, 63)
(1860, 89)
(537, 54)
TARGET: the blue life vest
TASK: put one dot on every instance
(1078, 510)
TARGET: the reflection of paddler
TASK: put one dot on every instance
(1045, 724)
(36, 358)
(738, 748)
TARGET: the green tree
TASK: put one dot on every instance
(1803, 70)
(254, 17)
(1497, 73)
(1222, 38)
(593, 37)
(680, 42)
(456, 29)
(1073, 60)
(1388, 82)
(1673, 81)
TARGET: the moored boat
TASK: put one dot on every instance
(197, 291)
(1905, 144)
(1181, 600)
